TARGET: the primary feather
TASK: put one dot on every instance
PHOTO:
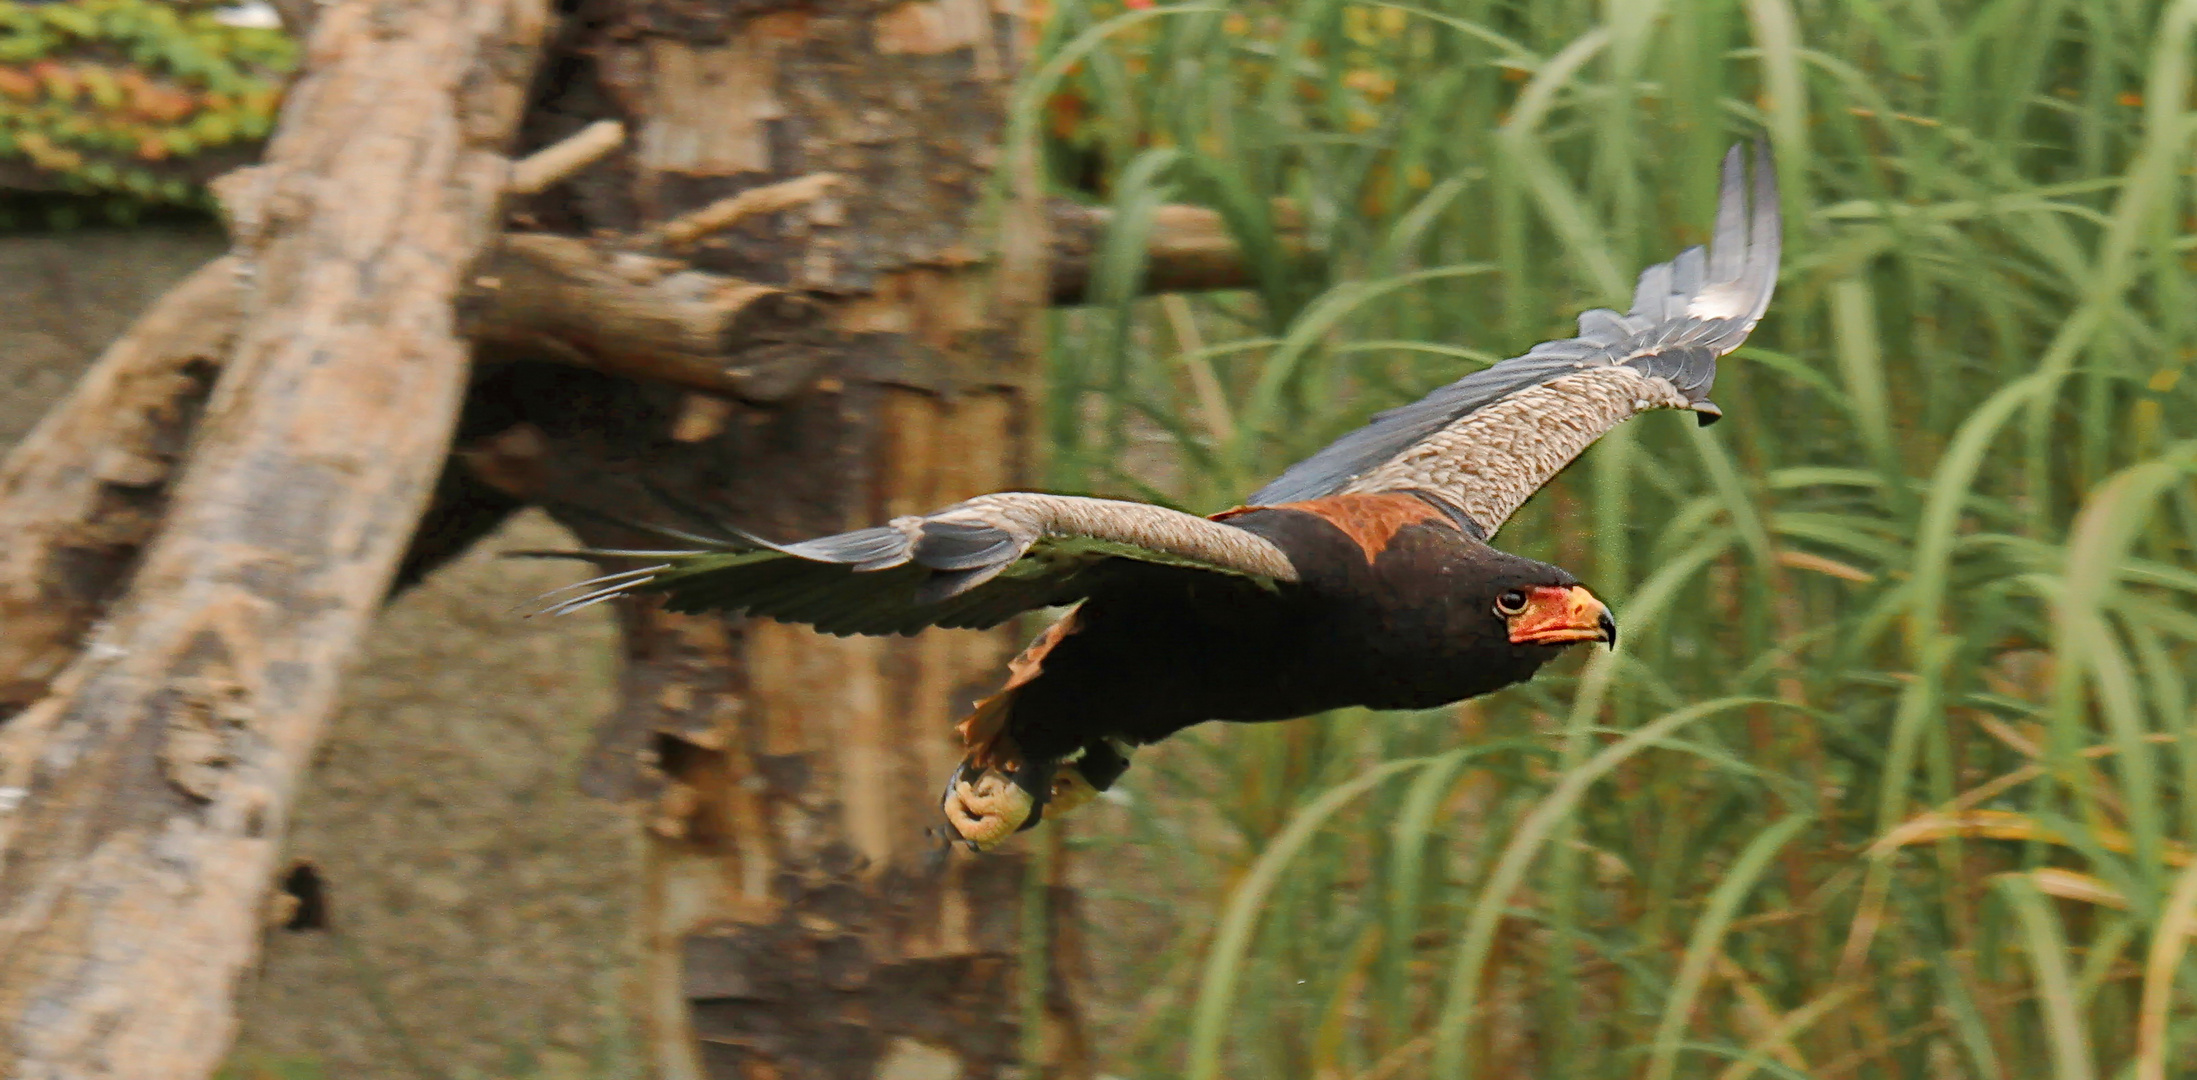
(974, 564)
(1685, 313)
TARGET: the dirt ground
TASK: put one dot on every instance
(479, 905)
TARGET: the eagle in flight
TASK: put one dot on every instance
(1360, 576)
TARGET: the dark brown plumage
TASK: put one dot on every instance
(1361, 576)
(1396, 608)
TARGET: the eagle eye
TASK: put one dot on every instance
(1510, 603)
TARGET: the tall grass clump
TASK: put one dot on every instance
(1896, 772)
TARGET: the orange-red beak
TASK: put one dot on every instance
(1561, 616)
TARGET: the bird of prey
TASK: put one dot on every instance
(1360, 576)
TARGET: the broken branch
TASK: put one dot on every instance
(1189, 249)
(632, 315)
(544, 167)
(727, 212)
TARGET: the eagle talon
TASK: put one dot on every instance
(986, 807)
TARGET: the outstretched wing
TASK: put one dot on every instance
(973, 564)
(1489, 440)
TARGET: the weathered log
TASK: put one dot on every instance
(146, 793)
(83, 493)
(1189, 249)
(566, 299)
(630, 314)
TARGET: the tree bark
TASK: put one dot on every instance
(631, 314)
(81, 496)
(145, 793)
(800, 922)
(1188, 249)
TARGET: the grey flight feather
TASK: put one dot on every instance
(1685, 313)
(973, 564)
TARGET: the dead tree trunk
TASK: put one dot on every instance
(800, 922)
(143, 794)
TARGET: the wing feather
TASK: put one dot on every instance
(1487, 441)
(1688, 272)
(974, 564)
(1651, 299)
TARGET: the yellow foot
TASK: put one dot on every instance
(987, 810)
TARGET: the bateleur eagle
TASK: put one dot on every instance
(1360, 576)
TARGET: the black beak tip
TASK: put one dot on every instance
(1609, 630)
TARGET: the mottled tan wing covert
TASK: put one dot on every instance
(1488, 441)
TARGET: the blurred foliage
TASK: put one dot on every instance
(110, 100)
(1896, 773)
(269, 1067)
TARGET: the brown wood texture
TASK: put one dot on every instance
(648, 316)
(297, 16)
(1187, 249)
(631, 314)
(145, 793)
(800, 921)
(81, 495)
